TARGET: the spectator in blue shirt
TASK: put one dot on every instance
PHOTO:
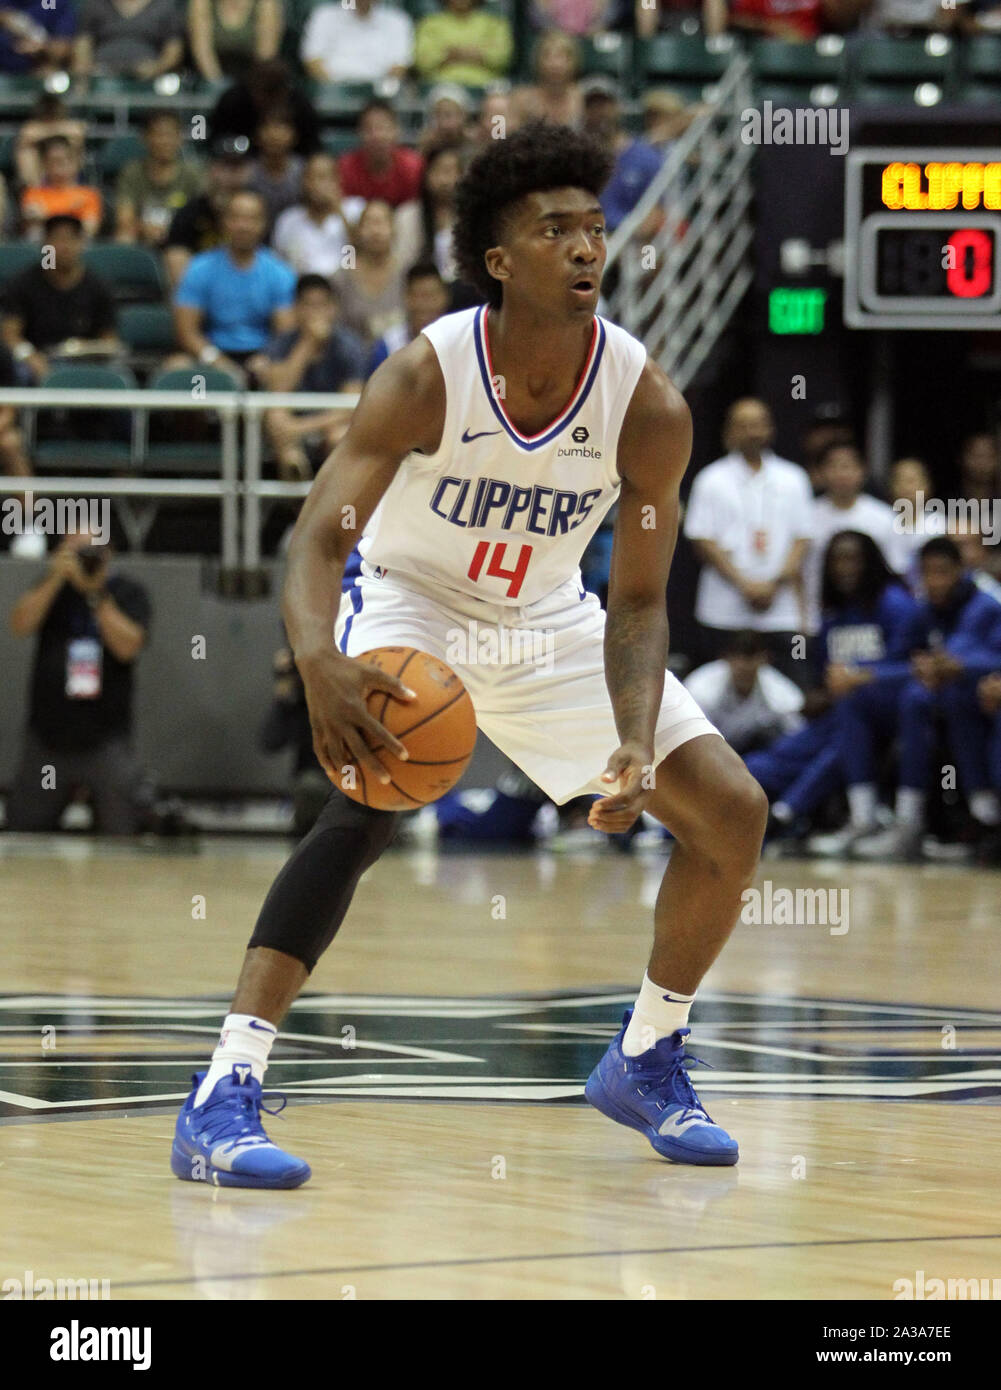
(317, 355)
(956, 642)
(232, 300)
(636, 161)
(425, 298)
(35, 37)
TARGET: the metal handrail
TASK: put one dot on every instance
(235, 493)
(702, 250)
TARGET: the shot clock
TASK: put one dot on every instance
(923, 238)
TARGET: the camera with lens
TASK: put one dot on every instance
(91, 559)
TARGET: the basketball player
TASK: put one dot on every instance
(479, 462)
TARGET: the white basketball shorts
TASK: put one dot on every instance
(535, 675)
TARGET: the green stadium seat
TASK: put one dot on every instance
(188, 378)
(979, 93)
(133, 272)
(185, 442)
(678, 56)
(16, 256)
(793, 94)
(112, 444)
(610, 55)
(822, 61)
(341, 101)
(116, 152)
(881, 58)
(980, 56)
(146, 328)
(338, 142)
(18, 94)
(897, 94)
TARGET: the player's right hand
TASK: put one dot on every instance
(336, 687)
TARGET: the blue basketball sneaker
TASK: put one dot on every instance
(223, 1142)
(653, 1093)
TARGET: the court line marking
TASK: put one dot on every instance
(537, 1259)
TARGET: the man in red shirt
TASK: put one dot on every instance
(381, 167)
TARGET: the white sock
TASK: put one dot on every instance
(910, 806)
(862, 805)
(984, 807)
(244, 1038)
(658, 1013)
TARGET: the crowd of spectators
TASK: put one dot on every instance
(296, 265)
(255, 201)
(462, 41)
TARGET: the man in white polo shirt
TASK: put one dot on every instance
(843, 506)
(362, 42)
(750, 520)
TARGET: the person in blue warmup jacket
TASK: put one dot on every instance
(957, 641)
(868, 623)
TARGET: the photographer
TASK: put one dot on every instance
(91, 626)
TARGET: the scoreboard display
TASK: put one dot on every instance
(923, 238)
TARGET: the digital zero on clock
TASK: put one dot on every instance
(923, 238)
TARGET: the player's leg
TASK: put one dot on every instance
(219, 1137)
(299, 918)
(557, 724)
(717, 813)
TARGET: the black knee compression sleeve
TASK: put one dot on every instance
(310, 896)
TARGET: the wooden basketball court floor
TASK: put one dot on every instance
(435, 1071)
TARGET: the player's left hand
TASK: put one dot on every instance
(631, 766)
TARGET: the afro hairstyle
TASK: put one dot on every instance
(537, 156)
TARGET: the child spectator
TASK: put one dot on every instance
(60, 194)
(316, 355)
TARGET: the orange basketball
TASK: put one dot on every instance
(438, 730)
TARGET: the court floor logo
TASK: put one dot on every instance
(75, 1056)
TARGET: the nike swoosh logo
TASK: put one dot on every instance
(261, 1028)
(679, 1123)
(468, 438)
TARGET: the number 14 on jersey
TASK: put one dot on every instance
(496, 566)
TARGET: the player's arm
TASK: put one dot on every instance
(654, 448)
(401, 408)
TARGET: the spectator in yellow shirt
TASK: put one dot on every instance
(463, 44)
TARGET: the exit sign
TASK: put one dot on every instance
(796, 310)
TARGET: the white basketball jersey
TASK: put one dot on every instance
(493, 512)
